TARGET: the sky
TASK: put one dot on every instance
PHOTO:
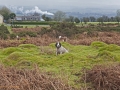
(62, 3)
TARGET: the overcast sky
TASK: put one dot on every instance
(61, 3)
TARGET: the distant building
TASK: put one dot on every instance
(31, 17)
(1, 19)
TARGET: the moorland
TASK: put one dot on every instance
(30, 62)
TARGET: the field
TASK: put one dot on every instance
(96, 53)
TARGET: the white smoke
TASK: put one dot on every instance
(37, 10)
(22, 10)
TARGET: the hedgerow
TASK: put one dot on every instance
(34, 23)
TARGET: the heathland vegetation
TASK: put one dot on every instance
(92, 62)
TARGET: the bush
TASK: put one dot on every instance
(31, 34)
(66, 29)
(103, 77)
(12, 36)
(15, 26)
(44, 30)
(3, 29)
(22, 34)
(35, 23)
(25, 79)
(3, 35)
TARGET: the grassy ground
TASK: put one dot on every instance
(67, 65)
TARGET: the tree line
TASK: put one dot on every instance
(61, 16)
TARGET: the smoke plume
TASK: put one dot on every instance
(37, 10)
(23, 10)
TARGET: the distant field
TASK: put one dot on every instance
(95, 23)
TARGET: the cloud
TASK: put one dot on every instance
(37, 10)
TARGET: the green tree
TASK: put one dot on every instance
(77, 20)
(59, 16)
(100, 20)
(43, 16)
(5, 12)
(118, 12)
(71, 18)
(92, 19)
(118, 15)
(117, 19)
(46, 18)
(12, 17)
(85, 19)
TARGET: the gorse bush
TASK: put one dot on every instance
(21, 34)
(65, 29)
(3, 32)
(3, 36)
(4, 29)
(12, 36)
(31, 34)
(25, 33)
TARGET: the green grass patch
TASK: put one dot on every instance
(66, 65)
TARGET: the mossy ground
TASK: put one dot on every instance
(68, 65)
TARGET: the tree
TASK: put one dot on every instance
(118, 13)
(105, 18)
(69, 19)
(12, 17)
(77, 20)
(92, 19)
(112, 19)
(85, 19)
(118, 16)
(117, 19)
(100, 20)
(46, 18)
(43, 16)
(59, 16)
(5, 12)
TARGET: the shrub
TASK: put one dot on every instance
(15, 26)
(26, 79)
(103, 77)
(4, 29)
(12, 36)
(35, 23)
(3, 35)
(66, 29)
(44, 30)
(31, 34)
(22, 34)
